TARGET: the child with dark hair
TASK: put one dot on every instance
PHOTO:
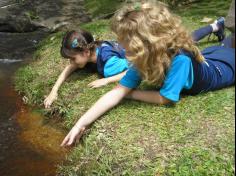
(81, 48)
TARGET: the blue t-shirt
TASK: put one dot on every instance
(114, 66)
(111, 59)
(180, 76)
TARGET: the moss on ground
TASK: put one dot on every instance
(194, 137)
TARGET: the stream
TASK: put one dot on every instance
(29, 145)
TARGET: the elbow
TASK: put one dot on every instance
(164, 101)
(117, 94)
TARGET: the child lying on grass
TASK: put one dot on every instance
(81, 48)
(162, 53)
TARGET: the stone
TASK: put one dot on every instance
(28, 16)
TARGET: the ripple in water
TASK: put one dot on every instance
(10, 61)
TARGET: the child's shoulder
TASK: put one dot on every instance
(109, 44)
(181, 59)
(105, 46)
(112, 46)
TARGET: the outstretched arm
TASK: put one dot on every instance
(105, 103)
(53, 94)
(105, 81)
(148, 96)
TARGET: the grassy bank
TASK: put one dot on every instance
(194, 137)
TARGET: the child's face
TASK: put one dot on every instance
(81, 59)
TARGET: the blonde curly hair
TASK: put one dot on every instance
(152, 36)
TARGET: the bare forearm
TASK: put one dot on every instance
(116, 78)
(104, 104)
(99, 108)
(63, 76)
(149, 97)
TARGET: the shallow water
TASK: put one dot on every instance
(28, 145)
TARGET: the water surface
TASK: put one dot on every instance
(29, 146)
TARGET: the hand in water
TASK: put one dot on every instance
(49, 100)
(98, 83)
(73, 136)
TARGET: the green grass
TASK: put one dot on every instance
(193, 138)
(98, 8)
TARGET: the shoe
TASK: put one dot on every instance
(221, 32)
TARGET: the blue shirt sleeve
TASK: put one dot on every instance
(115, 66)
(132, 79)
(180, 76)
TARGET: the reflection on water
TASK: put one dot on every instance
(37, 146)
(10, 61)
(39, 136)
(28, 146)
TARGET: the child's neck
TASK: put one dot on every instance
(93, 57)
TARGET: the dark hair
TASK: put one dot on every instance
(77, 42)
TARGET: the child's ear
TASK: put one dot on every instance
(87, 53)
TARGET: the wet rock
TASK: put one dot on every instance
(16, 46)
(28, 16)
